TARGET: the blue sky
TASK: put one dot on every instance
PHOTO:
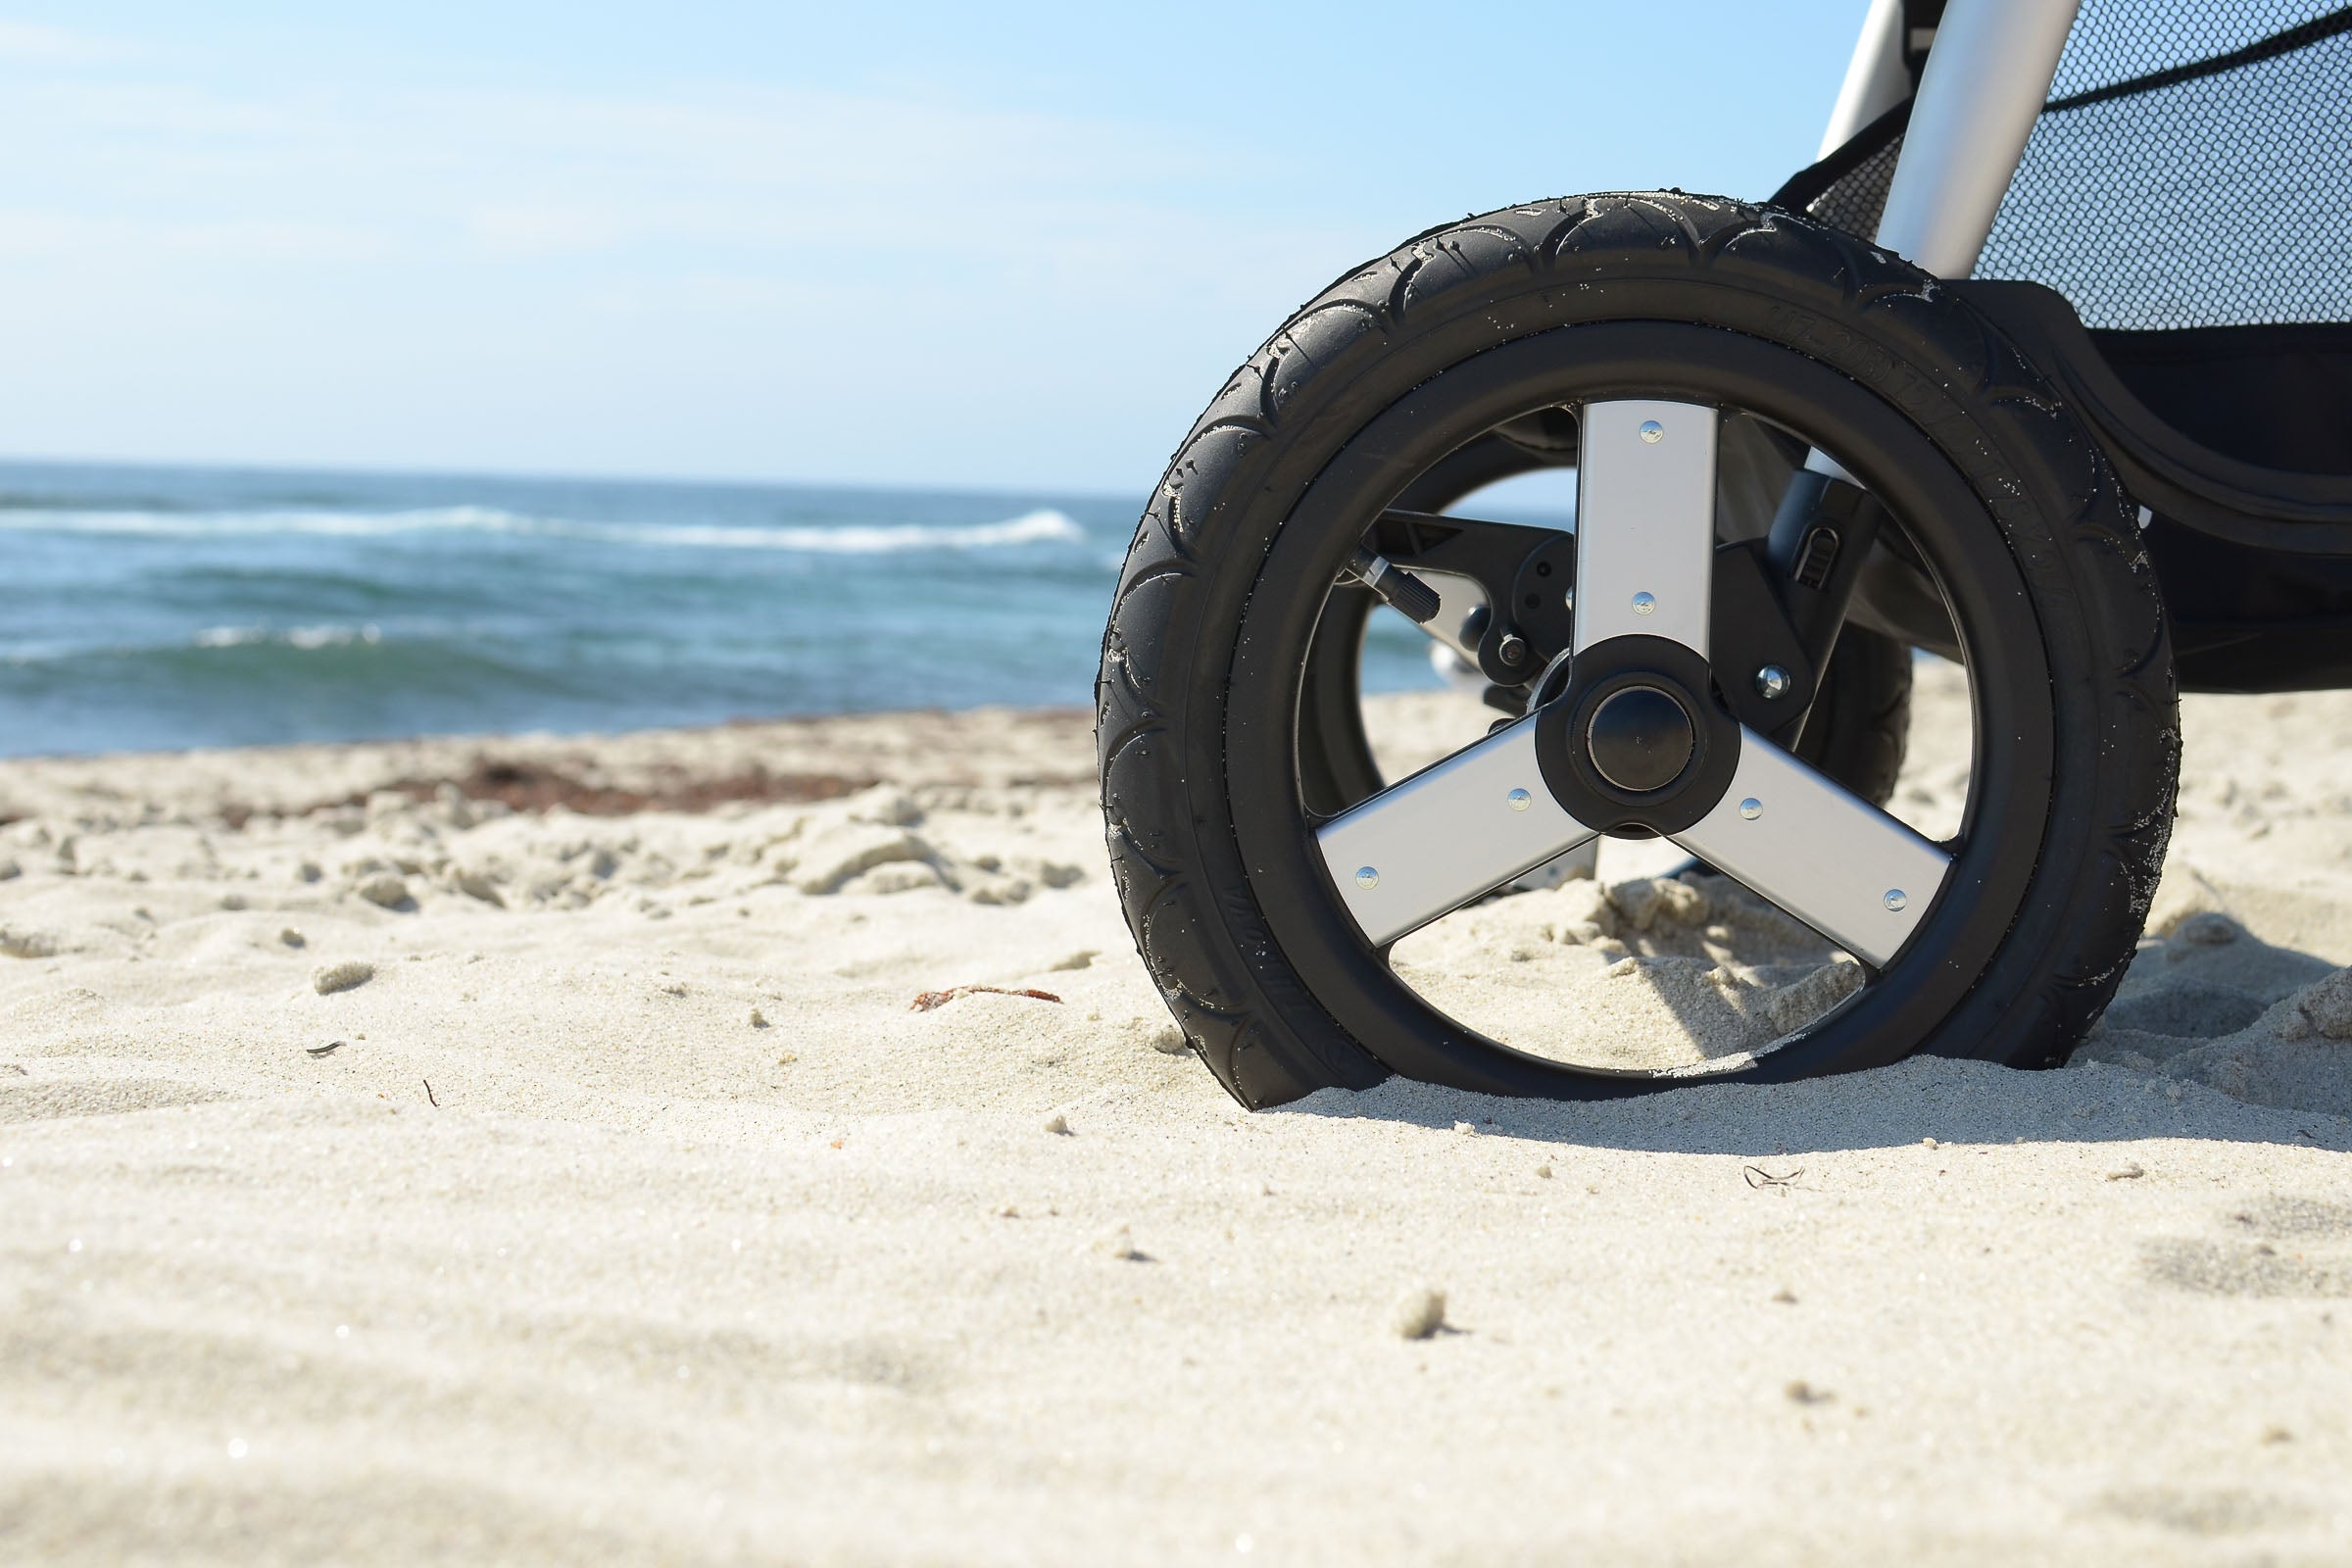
(1009, 247)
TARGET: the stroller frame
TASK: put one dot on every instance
(2242, 477)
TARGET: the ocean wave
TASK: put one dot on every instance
(300, 638)
(1045, 525)
(305, 638)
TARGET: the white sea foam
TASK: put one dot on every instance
(303, 637)
(1045, 525)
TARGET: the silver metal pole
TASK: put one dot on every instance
(1985, 80)
(1876, 79)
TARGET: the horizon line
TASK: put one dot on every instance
(512, 475)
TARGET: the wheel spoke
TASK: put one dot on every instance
(1826, 856)
(1451, 832)
(1646, 521)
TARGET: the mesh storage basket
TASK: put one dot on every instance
(2192, 167)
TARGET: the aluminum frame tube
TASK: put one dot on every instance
(1985, 80)
(1875, 77)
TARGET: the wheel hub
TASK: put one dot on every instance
(1634, 744)
(1639, 739)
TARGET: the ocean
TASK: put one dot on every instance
(161, 608)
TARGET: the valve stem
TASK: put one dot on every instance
(1402, 591)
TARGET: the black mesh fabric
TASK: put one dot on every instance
(1856, 199)
(2193, 168)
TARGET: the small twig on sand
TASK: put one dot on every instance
(939, 999)
(1759, 1176)
(429, 1092)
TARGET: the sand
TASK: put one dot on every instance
(391, 1167)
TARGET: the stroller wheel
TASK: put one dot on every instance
(1682, 667)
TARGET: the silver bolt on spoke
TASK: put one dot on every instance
(1644, 602)
(1895, 900)
(1772, 682)
(1520, 800)
(1367, 877)
(1751, 808)
(1652, 431)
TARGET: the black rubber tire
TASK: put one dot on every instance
(1185, 697)
(1860, 722)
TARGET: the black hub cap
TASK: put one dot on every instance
(1641, 739)
(1636, 745)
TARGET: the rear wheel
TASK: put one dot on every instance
(1311, 924)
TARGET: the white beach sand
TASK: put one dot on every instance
(706, 1247)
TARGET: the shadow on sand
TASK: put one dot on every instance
(2214, 1034)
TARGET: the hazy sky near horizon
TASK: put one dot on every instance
(1011, 247)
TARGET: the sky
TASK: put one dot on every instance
(1006, 247)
